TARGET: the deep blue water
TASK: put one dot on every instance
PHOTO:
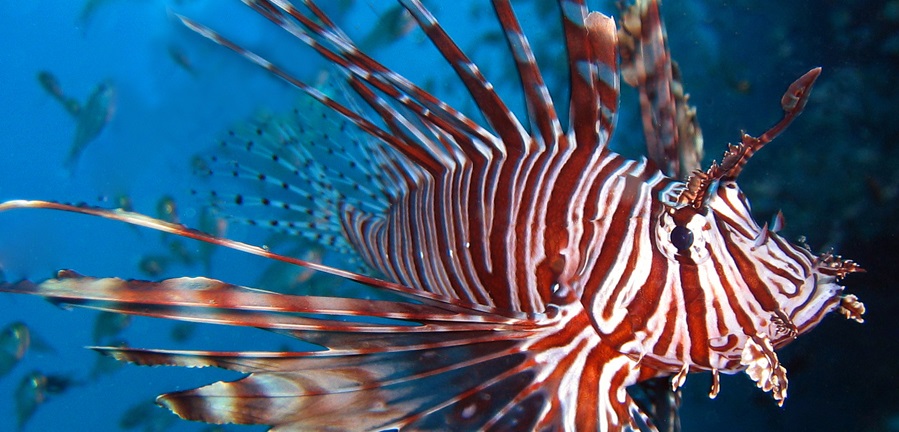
(833, 174)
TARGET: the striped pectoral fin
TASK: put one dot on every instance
(588, 377)
(406, 365)
(212, 301)
(414, 366)
(618, 411)
(459, 387)
(555, 375)
(659, 401)
(463, 381)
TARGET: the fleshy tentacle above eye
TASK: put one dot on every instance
(736, 156)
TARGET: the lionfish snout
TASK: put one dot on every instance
(815, 298)
(831, 269)
(805, 287)
(796, 287)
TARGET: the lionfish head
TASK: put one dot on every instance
(784, 284)
(757, 290)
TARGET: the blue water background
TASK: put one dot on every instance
(165, 114)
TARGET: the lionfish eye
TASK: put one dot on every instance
(682, 235)
(681, 238)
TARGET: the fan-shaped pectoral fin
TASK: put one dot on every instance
(417, 366)
(618, 410)
(589, 376)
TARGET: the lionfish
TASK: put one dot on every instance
(533, 274)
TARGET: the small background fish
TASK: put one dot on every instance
(90, 117)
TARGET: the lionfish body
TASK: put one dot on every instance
(544, 273)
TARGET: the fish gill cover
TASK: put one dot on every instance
(176, 96)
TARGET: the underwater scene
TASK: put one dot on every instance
(140, 105)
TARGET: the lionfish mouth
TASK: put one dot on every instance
(836, 268)
(800, 314)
